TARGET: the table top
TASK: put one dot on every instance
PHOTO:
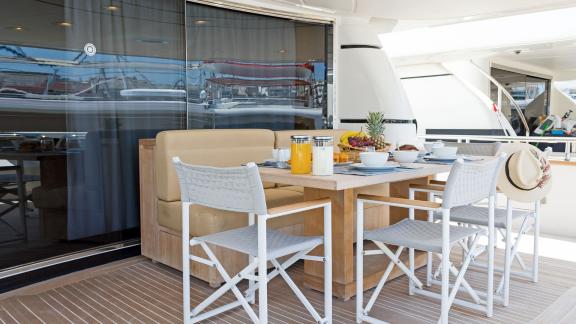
(343, 181)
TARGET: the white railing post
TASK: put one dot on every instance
(570, 142)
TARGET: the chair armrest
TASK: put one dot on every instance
(434, 188)
(298, 207)
(402, 202)
(438, 182)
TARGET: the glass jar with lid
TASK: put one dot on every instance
(301, 154)
(322, 156)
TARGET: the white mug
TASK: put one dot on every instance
(283, 155)
(429, 146)
(275, 154)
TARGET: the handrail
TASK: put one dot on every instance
(570, 142)
(503, 90)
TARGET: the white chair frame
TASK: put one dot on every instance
(263, 276)
(511, 253)
(448, 291)
(511, 250)
(447, 296)
(511, 245)
(256, 282)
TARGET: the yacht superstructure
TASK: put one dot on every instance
(100, 100)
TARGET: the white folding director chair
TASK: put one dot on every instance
(476, 149)
(239, 189)
(467, 184)
(504, 219)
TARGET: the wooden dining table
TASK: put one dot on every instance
(342, 190)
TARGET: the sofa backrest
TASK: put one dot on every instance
(212, 147)
(283, 137)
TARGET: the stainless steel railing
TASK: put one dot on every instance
(569, 150)
(503, 91)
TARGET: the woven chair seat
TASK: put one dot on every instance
(245, 240)
(478, 215)
(419, 235)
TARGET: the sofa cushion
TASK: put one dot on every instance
(212, 147)
(205, 220)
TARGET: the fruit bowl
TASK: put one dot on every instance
(354, 152)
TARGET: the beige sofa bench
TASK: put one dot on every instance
(160, 194)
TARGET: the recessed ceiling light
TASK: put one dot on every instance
(112, 8)
(65, 24)
(200, 22)
(283, 51)
(16, 28)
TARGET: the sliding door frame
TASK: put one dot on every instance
(280, 13)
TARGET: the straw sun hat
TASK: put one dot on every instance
(526, 175)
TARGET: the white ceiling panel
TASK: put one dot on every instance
(429, 9)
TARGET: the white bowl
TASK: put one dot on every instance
(429, 146)
(405, 156)
(374, 158)
(445, 152)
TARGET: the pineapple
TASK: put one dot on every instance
(375, 128)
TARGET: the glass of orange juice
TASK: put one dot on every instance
(301, 154)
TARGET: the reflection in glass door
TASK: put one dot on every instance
(71, 116)
(529, 92)
(252, 71)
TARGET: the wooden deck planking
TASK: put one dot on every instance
(145, 292)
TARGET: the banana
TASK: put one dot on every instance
(344, 138)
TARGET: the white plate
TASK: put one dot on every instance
(342, 164)
(386, 166)
(442, 158)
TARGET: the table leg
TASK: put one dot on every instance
(342, 242)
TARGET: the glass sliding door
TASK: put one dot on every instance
(80, 83)
(252, 71)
